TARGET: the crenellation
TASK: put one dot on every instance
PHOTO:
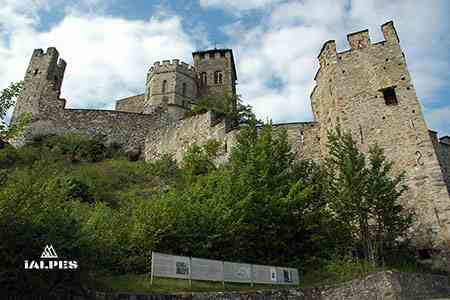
(389, 33)
(366, 90)
(359, 40)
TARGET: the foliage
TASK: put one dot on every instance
(262, 206)
(7, 101)
(231, 106)
(364, 196)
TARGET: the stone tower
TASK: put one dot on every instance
(368, 91)
(216, 71)
(170, 84)
(42, 86)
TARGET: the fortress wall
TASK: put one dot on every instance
(304, 138)
(175, 140)
(444, 154)
(124, 128)
(131, 104)
(442, 149)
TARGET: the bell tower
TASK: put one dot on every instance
(216, 72)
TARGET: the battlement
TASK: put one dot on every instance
(357, 41)
(52, 55)
(175, 65)
(445, 140)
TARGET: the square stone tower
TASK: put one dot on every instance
(42, 86)
(216, 72)
(368, 91)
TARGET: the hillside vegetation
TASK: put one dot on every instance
(109, 213)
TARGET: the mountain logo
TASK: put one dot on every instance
(50, 262)
(49, 252)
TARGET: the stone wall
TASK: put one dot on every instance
(199, 129)
(124, 128)
(354, 89)
(384, 285)
(444, 158)
(131, 104)
(304, 138)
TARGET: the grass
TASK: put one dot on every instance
(141, 283)
(334, 272)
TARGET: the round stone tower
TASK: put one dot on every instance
(171, 84)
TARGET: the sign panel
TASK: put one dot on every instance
(236, 272)
(173, 266)
(206, 269)
(264, 274)
(287, 275)
(166, 265)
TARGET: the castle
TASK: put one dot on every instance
(366, 89)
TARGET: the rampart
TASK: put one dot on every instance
(131, 104)
(124, 128)
(304, 138)
(198, 129)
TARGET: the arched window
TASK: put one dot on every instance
(203, 78)
(218, 77)
(183, 92)
(164, 86)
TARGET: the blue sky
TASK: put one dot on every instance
(110, 44)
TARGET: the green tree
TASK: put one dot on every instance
(231, 106)
(7, 100)
(364, 195)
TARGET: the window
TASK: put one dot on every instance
(202, 55)
(183, 92)
(211, 55)
(203, 78)
(36, 71)
(164, 86)
(222, 54)
(218, 77)
(389, 96)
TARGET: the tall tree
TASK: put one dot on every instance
(7, 100)
(364, 194)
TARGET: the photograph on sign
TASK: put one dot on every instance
(165, 265)
(181, 268)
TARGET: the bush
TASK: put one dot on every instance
(8, 157)
(76, 147)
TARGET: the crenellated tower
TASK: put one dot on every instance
(171, 84)
(368, 91)
(42, 86)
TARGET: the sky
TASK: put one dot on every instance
(110, 44)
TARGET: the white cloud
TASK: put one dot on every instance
(285, 45)
(439, 119)
(107, 57)
(276, 57)
(239, 5)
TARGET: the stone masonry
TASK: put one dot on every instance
(367, 90)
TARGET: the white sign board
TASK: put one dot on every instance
(183, 267)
